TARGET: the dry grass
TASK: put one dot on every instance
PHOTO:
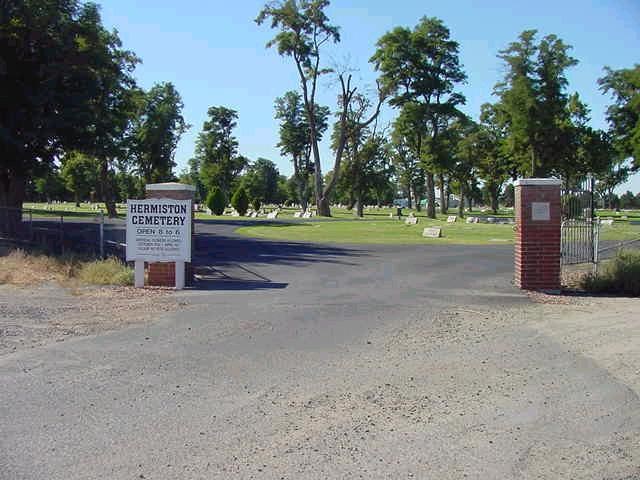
(21, 268)
(105, 272)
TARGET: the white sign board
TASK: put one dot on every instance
(159, 230)
(540, 211)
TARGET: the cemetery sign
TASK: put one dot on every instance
(159, 230)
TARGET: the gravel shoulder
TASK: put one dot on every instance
(542, 391)
(35, 316)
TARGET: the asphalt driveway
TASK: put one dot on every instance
(295, 360)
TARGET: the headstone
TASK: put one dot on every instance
(491, 219)
(607, 222)
(472, 219)
(297, 214)
(432, 232)
(272, 215)
(208, 211)
(306, 215)
(452, 218)
(254, 214)
(411, 221)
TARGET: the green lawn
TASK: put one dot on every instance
(384, 231)
(620, 231)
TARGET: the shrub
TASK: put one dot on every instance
(621, 275)
(256, 203)
(106, 272)
(216, 201)
(240, 201)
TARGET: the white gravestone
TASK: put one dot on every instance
(411, 221)
(452, 219)
(432, 232)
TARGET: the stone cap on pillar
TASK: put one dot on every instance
(542, 182)
(170, 186)
(174, 190)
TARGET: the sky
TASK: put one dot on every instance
(215, 55)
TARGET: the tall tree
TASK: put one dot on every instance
(421, 67)
(406, 163)
(158, 131)
(493, 164)
(304, 29)
(295, 138)
(363, 151)
(261, 181)
(533, 102)
(217, 150)
(61, 74)
(624, 114)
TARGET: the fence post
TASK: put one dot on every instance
(101, 235)
(62, 234)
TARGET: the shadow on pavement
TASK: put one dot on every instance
(213, 249)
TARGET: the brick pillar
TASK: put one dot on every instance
(162, 274)
(538, 221)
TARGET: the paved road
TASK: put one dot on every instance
(294, 360)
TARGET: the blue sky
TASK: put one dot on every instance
(215, 54)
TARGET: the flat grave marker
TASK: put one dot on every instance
(432, 232)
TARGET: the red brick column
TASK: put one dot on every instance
(538, 221)
(163, 274)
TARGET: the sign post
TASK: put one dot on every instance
(159, 230)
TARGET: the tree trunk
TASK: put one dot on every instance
(431, 196)
(443, 203)
(409, 200)
(461, 203)
(470, 203)
(416, 199)
(12, 192)
(359, 212)
(324, 209)
(494, 200)
(77, 198)
(107, 190)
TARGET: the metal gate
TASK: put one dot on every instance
(580, 227)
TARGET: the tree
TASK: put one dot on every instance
(421, 67)
(80, 175)
(217, 150)
(216, 201)
(492, 163)
(295, 138)
(533, 102)
(624, 114)
(261, 181)
(364, 152)
(240, 201)
(49, 186)
(304, 29)
(191, 176)
(157, 132)
(61, 76)
(607, 182)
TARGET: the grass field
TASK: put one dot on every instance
(376, 227)
(384, 231)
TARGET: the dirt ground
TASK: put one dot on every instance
(36, 315)
(548, 390)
